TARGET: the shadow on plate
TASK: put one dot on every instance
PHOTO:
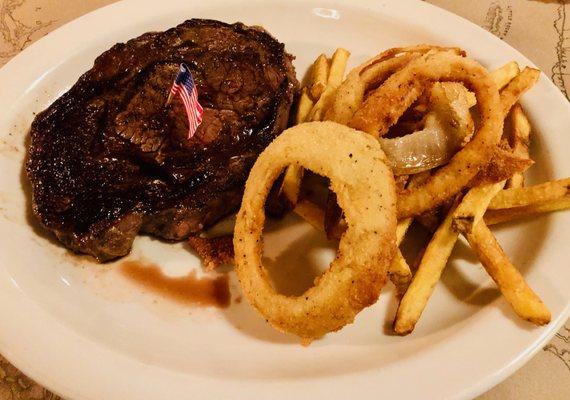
(292, 272)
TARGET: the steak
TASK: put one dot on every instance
(109, 159)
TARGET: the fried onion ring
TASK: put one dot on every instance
(350, 94)
(446, 127)
(385, 105)
(365, 189)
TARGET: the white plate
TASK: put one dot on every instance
(86, 332)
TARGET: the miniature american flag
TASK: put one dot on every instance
(185, 87)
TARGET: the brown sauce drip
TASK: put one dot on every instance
(189, 289)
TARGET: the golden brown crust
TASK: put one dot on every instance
(522, 298)
(387, 103)
(503, 165)
(214, 252)
(365, 189)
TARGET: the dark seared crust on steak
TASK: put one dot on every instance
(108, 160)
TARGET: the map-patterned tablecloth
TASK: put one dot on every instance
(540, 29)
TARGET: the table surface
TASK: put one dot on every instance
(538, 28)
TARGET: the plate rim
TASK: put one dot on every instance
(66, 390)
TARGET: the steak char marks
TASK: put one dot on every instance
(108, 160)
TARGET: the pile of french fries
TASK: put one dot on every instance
(470, 214)
(326, 77)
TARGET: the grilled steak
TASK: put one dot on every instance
(108, 159)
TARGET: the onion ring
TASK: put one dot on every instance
(385, 105)
(365, 188)
(350, 94)
(447, 126)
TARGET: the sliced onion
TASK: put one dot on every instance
(448, 126)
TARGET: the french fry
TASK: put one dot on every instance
(434, 260)
(404, 224)
(319, 76)
(502, 76)
(493, 217)
(326, 99)
(315, 215)
(338, 66)
(524, 301)
(400, 272)
(304, 107)
(336, 74)
(468, 212)
(402, 229)
(473, 206)
(291, 185)
(333, 213)
(311, 213)
(325, 79)
(519, 141)
(517, 87)
(429, 271)
(531, 195)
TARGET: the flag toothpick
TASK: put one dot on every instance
(185, 87)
